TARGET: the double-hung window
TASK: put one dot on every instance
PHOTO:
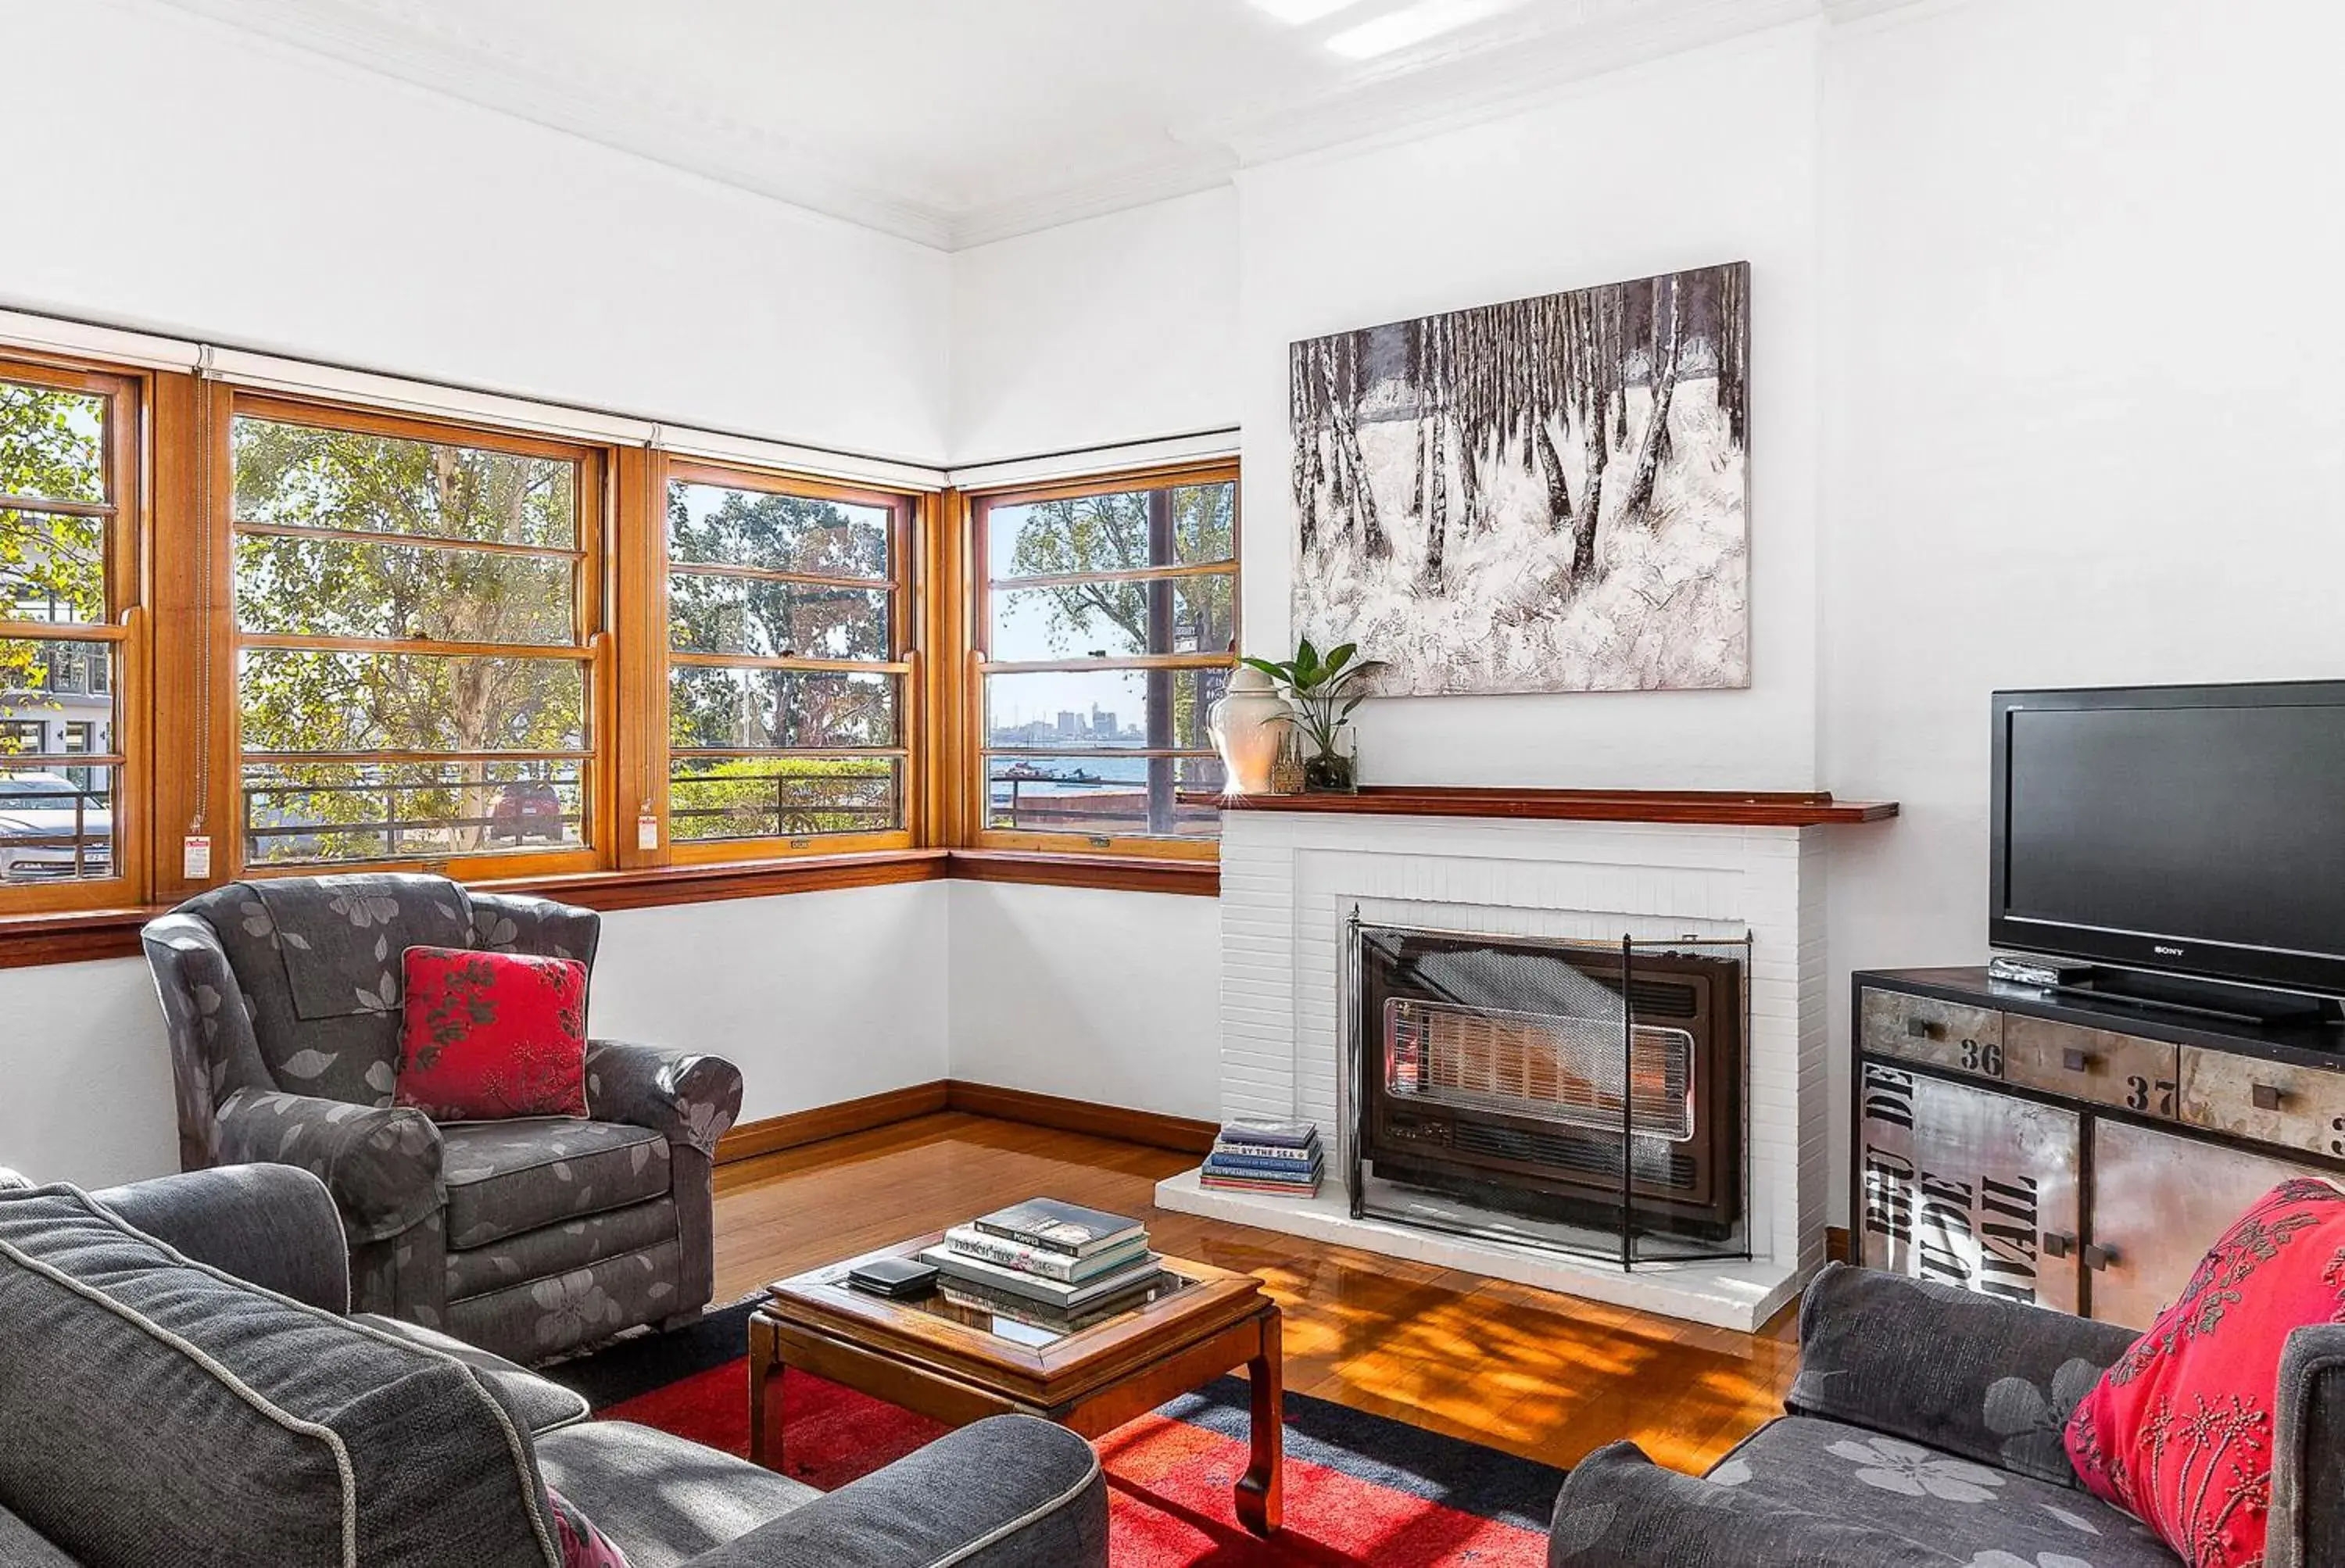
(70, 583)
(789, 653)
(416, 608)
(1107, 627)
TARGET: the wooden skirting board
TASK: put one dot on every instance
(772, 1135)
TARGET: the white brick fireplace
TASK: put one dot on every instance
(1291, 879)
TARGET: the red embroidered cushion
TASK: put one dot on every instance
(490, 1035)
(582, 1545)
(2179, 1432)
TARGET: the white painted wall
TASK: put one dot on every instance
(201, 182)
(2083, 399)
(84, 1076)
(1116, 329)
(197, 179)
(1114, 997)
(1704, 159)
(817, 997)
(2044, 395)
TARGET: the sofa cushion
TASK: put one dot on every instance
(488, 1036)
(1932, 1498)
(660, 1499)
(251, 1429)
(1957, 1370)
(506, 1177)
(2181, 1431)
(318, 960)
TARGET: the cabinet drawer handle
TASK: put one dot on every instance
(2096, 1257)
(1925, 1028)
(2267, 1096)
(2058, 1246)
(2078, 1060)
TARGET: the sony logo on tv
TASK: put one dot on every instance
(2161, 948)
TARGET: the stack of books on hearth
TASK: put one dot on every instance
(1265, 1156)
(1058, 1258)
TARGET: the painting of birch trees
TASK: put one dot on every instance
(1551, 495)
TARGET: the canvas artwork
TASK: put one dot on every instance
(1551, 495)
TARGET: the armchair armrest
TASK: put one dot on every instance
(381, 1163)
(2308, 1493)
(1012, 1492)
(1973, 1375)
(1618, 1509)
(271, 1226)
(691, 1098)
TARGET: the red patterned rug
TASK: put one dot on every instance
(1360, 1489)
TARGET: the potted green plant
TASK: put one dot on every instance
(1321, 690)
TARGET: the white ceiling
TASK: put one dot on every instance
(953, 122)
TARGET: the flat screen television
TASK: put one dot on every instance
(2194, 830)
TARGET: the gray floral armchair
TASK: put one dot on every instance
(281, 999)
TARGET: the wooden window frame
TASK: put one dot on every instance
(178, 751)
(909, 524)
(591, 648)
(129, 574)
(973, 748)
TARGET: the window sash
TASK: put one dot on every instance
(589, 764)
(122, 683)
(674, 796)
(984, 754)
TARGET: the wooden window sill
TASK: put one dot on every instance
(82, 935)
(656, 887)
(1122, 873)
(74, 936)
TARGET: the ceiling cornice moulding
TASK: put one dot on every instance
(415, 44)
(427, 46)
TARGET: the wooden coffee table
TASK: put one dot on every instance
(956, 1362)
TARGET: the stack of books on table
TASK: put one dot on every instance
(1059, 1259)
(1265, 1156)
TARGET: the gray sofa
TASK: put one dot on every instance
(1924, 1432)
(281, 1001)
(180, 1383)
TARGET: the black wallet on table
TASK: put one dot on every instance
(896, 1276)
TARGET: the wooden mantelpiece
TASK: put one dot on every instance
(1719, 807)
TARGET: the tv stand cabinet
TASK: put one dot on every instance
(2075, 1152)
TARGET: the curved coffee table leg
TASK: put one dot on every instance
(1260, 1491)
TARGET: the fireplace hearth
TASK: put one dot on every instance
(1580, 1096)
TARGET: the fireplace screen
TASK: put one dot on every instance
(1587, 1098)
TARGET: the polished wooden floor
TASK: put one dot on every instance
(1548, 1376)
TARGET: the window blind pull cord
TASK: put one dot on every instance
(198, 863)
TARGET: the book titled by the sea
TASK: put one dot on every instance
(1069, 1298)
(1290, 1154)
(1063, 1227)
(971, 1242)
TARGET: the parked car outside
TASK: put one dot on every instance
(529, 810)
(43, 818)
